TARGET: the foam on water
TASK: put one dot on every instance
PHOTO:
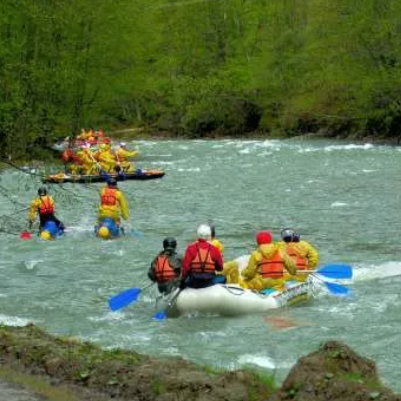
(377, 271)
(14, 320)
(263, 361)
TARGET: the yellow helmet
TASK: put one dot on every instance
(103, 232)
(45, 235)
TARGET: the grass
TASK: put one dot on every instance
(38, 386)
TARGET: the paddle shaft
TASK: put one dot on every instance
(163, 314)
(334, 271)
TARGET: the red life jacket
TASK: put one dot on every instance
(163, 270)
(203, 261)
(300, 261)
(109, 197)
(66, 156)
(271, 268)
(46, 206)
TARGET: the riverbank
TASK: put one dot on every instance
(65, 369)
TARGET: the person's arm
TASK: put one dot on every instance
(289, 263)
(131, 153)
(312, 255)
(250, 271)
(176, 264)
(32, 211)
(124, 206)
(151, 271)
(218, 259)
(186, 263)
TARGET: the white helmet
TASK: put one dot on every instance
(123, 144)
(204, 232)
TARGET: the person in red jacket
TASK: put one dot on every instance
(201, 261)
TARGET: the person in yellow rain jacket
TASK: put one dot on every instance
(43, 205)
(112, 203)
(106, 158)
(267, 265)
(219, 245)
(214, 241)
(304, 254)
(87, 160)
(122, 155)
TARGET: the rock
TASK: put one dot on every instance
(334, 373)
(52, 365)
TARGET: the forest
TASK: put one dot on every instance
(198, 68)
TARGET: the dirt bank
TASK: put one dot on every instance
(64, 369)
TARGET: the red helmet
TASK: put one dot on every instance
(264, 237)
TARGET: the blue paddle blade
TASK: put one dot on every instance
(160, 315)
(137, 234)
(338, 289)
(124, 298)
(336, 271)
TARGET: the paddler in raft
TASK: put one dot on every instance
(87, 160)
(165, 269)
(43, 205)
(220, 277)
(267, 265)
(304, 254)
(106, 159)
(214, 241)
(122, 154)
(201, 261)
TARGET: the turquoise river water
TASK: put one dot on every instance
(343, 197)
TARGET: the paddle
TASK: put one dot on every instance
(100, 168)
(25, 235)
(126, 297)
(127, 229)
(335, 289)
(163, 314)
(332, 270)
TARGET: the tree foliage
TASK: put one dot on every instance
(196, 66)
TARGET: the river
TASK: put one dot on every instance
(343, 197)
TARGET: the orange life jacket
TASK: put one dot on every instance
(109, 197)
(203, 262)
(46, 206)
(300, 261)
(163, 270)
(271, 268)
